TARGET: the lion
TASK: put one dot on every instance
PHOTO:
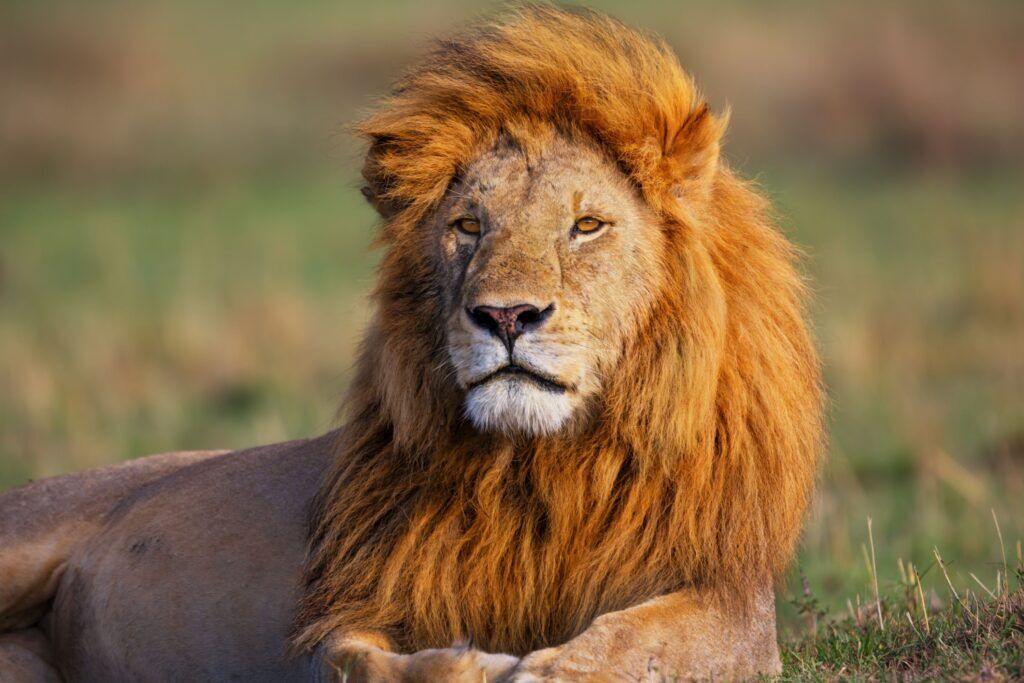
(580, 443)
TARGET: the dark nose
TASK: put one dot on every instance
(508, 324)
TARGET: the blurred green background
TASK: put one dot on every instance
(184, 255)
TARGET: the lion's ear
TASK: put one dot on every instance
(694, 153)
(378, 181)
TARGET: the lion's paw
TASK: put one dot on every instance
(457, 664)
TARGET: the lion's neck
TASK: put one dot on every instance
(515, 546)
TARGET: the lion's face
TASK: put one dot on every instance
(547, 259)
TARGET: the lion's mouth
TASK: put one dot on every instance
(512, 370)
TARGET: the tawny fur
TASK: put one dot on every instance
(696, 467)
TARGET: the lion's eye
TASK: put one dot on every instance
(588, 225)
(469, 226)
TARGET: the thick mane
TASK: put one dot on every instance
(699, 462)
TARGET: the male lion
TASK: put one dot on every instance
(582, 437)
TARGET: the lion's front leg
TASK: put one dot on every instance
(682, 636)
(369, 658)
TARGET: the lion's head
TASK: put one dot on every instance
(548, 261)
(588, 380)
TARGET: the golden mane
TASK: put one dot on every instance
(700, 463)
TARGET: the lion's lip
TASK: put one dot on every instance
(544, 381)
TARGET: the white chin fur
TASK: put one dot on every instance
(517, 406)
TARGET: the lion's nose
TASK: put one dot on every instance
(509, 323)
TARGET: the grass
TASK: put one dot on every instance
(146, 319)
(974, 632)
(983, 640)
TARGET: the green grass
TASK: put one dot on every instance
(984, 641)
(976, 633)
(143, 319)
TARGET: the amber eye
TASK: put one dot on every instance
(588, 224)
(469, 226)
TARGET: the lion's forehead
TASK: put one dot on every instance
(562, 174)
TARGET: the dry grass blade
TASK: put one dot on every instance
(914, 626)
(1002, 549)
(949, 582)
(984, 587)
(924, 606)
(874, 577)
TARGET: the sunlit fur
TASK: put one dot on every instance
(698, 465)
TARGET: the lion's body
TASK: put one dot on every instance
(191, 575)
(634, 465)
(189, 570)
